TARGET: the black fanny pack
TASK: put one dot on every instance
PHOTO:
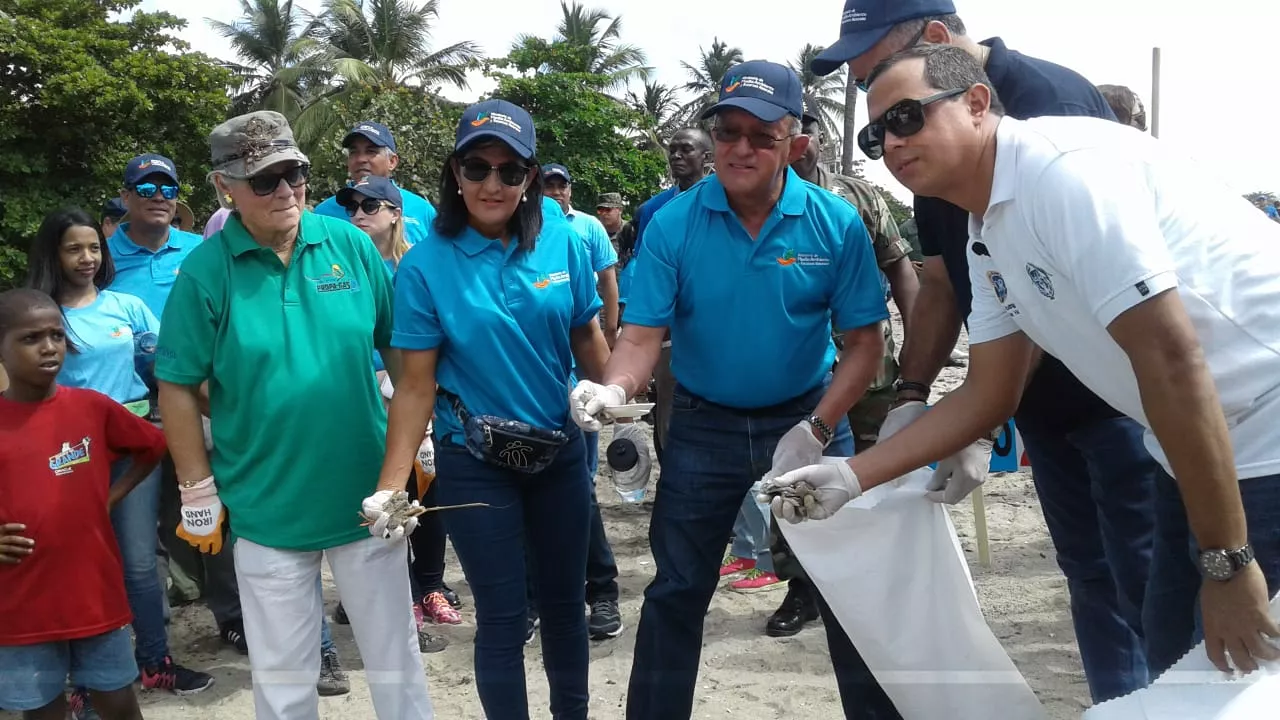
(508, 444)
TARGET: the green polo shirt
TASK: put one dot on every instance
(298, 423)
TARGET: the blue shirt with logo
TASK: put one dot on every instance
(104, 334)
(148, 274)
(751, 319)
(643, 216)
(418, 214)
(592, 231)
(501, 318)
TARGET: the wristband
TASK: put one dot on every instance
(912, 386)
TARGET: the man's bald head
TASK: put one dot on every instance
(688, 152)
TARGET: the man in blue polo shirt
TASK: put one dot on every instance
(749, 269)
(1095, 479)
(371, 150)
(558, 185)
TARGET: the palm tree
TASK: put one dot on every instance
(279, 56)
(706, 76)
(819, 91)
(388, 43)
(847, 140)
(581, 45)
(663, 115)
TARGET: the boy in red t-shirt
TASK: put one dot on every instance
(56, 449)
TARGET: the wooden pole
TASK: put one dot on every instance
(1155, 92)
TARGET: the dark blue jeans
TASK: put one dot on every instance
(552, 509)
(712, 456)
(1097, 490)
(135, 520)
(1174, 591)
(602, 569)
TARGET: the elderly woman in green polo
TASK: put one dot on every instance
(279, 313)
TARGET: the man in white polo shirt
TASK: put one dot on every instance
(1157, 287)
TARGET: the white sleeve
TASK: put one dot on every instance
(988, 319)
(1097, 219)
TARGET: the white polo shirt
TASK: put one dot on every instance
(1089, 218)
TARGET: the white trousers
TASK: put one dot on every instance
(282, 612)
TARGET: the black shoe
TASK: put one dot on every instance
(451, 596)
(233, 634)
(791, 617)
(531, 629)
(606, 620)
(340, 615)
(179, 680)
(333, 679)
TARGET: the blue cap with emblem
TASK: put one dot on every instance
(500, 120)
(376, 133)
(149, 164)
(865, 23)
(551, 170)
(372, 186)
(765, 89)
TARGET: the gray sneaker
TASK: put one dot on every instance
(429, 643)
(333, 680)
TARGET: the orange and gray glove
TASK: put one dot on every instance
(203, 517)
(424, 465)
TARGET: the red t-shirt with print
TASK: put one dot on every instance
(55, 472)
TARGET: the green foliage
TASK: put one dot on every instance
(583, 129)
(586, 41)
(901, 211)
(422, 123)
(81, 94)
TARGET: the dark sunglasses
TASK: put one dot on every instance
(904, 119)
(759, 141)
(264, 184)
(370, 206)
(511, 173)
(147, 191)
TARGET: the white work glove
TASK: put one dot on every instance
(900, 417)
(388, 390)
(795, 450)
(202, 517)
(385, 512)
(960, 474)
(814, 492)
(588, 400)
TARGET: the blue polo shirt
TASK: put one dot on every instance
(418, 214)
(103, 333)
(501, 319)
(148, 274)
(643, 216)
(592, 231)
(751, 319)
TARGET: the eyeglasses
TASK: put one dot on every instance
(146, 191)
(759, 141)
(511, 173)
(904, 119)
(370, 206)
(264, 184)
(915, 40)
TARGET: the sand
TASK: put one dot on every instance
(744, 674)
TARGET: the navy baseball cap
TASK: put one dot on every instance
(499, 120)
(373, 186)
(767, 90)
(556, 170)
(114, 208)
(866, 22)
(376, 133)
(149, 164)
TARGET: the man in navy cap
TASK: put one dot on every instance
(558, 185)
(749, 269)
(1095, 479)
(113, 211)
(371, 150)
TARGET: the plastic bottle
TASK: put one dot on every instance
(628, 460)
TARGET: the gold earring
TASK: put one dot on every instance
(227, 198)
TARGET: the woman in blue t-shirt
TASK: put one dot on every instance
(495, 306)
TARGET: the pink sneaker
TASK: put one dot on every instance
(438, 610)
(735, 565)
(756, 581)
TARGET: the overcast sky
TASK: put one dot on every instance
(1215, 54)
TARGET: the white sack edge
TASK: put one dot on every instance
(891, 568)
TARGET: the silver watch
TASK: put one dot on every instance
(1222, 565)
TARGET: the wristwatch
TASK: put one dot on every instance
(1222, 565)
(823, 429)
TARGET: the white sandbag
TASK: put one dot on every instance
(1193, 689)
(892, 570)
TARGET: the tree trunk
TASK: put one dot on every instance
(850, 138)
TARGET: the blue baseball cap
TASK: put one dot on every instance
(556, 170)
(149, 164)
(767, 90)
(500, 120)
(376, 133)
(866, 22)
(114, 208)
(373, 186)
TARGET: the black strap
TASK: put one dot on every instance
(456, 402)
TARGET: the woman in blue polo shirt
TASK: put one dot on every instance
(495, 306)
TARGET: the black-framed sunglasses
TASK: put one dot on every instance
(511, 173)
(370, 206)
(264, 184)
(861, 83)
(904, 119)
(757, 140)
(146, 191)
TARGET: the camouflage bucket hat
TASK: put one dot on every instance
(246, 145)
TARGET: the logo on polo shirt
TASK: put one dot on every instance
(66, 460)
(335, 281)
(117, 331)
(749, 82)
(1041, 280)
(997, 284)
(555, 278)
(791, 257)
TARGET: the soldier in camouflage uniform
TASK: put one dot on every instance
(799, 607)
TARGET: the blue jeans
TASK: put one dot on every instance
(1097, 490)
(1174, 590)
(136, 522)
(32, 676)
(602, 569)
(751, 535)
(552, 510)
(712, 456)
